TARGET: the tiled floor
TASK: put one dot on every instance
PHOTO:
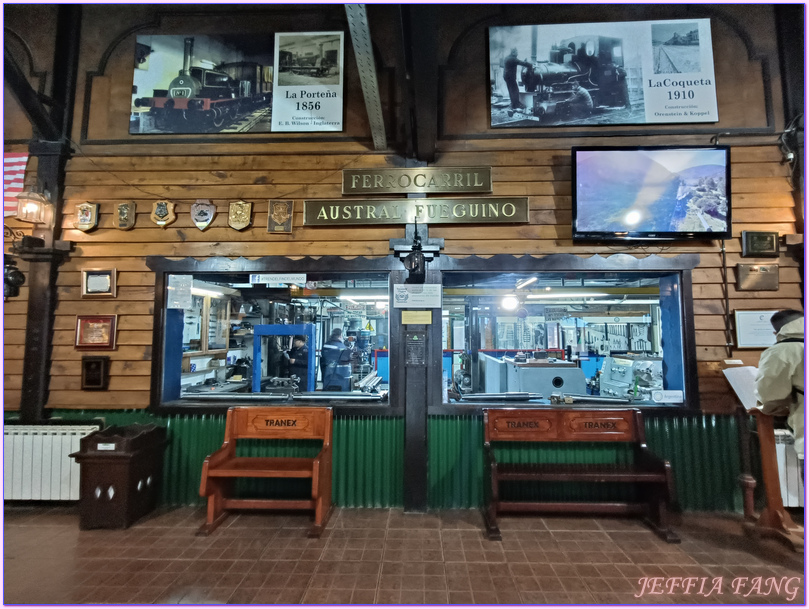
(384, 556)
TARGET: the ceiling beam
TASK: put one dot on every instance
(28, 99)
(364, 55)
(420, 41)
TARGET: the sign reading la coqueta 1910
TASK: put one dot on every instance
(485, 210)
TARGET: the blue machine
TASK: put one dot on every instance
(307, 330)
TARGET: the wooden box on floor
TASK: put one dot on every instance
(121, 471)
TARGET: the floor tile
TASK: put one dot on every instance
(384, 556)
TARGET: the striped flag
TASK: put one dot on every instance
(13, 180)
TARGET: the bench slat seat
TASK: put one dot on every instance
(650, 474)
(264, 467)
(270, 423)
(568, 472)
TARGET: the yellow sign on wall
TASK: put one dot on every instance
(417, 317)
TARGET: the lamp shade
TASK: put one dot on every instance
(32, 207)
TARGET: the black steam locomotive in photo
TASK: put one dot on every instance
(583, 73)
(311, 65)
(202, 99)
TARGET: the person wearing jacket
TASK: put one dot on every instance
(299, 359)
(330, 355)
(779, 382)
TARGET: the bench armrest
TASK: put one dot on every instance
(224, 453)
(648, 460)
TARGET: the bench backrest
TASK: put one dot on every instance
(275, 423)
(568, 425)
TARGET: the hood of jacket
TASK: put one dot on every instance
(793, 329)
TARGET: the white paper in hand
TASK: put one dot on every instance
(743, 381)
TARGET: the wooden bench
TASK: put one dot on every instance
(272, 423)
(650, 474)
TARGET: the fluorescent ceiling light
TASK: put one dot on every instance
(201, 292)
(524, 282)
(510, 302)
(568, 295)
(374, 297)
(623, 302)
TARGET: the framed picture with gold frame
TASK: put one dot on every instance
(99, 283)
(96, 332)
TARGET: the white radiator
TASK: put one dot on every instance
(789, 472)
(36, 465)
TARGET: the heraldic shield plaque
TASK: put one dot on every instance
(202, 213)
(239, 214)
(163, 213)
(125, 216)
(86, 216)
(280, 216)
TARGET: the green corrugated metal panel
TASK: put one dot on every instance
(703, 451)
(368, 461)
(455, 462)
(704, 455)
(369, 453)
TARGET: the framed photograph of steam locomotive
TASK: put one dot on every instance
(622, 73)
(202, 84)
(308, 84)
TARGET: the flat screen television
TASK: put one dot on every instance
(651, 193)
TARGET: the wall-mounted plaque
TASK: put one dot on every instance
(95, 372)
(202, 213)
(426, 180)
(163, 213)
(96, 332)
(98, 282)
(279, 217)
(760, 244)
(484, 210)
(416, 349)
(239, 214)
(754, 330)
(125, 216)
(86, 216)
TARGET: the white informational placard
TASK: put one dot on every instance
(619, 73)
(308, 82)
(754, 330)
(417, 296)
(178, 292)
(287, 278)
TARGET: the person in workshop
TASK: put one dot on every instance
(330, 355)
(298, 357)
(779, 382)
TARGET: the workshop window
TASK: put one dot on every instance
(544, 336)
(283, 337)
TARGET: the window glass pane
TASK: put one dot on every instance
(538, 336)
(192, 325)
(323, 336)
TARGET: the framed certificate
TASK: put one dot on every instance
(96, 332)
(754, 330)
(98, 283)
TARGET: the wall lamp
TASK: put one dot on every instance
(34, 207)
